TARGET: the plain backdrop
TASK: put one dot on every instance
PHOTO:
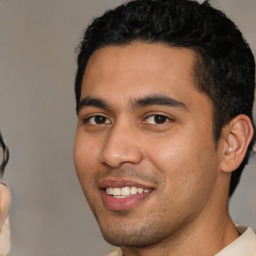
(49, 215)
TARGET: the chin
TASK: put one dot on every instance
(136, 236)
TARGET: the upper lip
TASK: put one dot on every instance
(120, 183)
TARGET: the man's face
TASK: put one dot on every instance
(144, 150)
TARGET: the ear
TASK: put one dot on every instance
(237, 135)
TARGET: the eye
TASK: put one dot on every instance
(97, 120)
(157, 119)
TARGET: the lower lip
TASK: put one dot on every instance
(122, 204)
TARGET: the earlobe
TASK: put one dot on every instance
(237, 137)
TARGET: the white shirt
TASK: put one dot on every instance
(244, 245)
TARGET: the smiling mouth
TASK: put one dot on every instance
(125, 192)
(123, 195)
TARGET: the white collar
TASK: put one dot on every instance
(244, 245)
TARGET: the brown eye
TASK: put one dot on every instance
(96, 120)
(157, 119)
(160, 119)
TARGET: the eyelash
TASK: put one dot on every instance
(87, 120)
(102, 120)
(161, 118)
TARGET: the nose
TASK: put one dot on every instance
(122, 145)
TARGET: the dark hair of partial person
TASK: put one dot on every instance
(224, 67)
(5, 155)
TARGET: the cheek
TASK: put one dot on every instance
(169, 162)
(180, 163)
(187, 180)
(85, 156)
(169, 154)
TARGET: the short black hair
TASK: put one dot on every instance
(224, 68)
(5, 158)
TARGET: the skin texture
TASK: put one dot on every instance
(177, 159)
(4, 203)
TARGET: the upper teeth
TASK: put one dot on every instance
(125, 191)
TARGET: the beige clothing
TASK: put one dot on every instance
(244, 245)
(118, 252)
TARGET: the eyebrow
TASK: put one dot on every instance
(161, 100)
(92, 102)
(150, 100)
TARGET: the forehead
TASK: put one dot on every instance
(139, 69)
(152, 54)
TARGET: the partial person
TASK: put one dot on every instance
(164, 93)
(4, 202)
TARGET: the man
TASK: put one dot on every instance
(164, 94)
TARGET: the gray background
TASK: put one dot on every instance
(49, 215)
